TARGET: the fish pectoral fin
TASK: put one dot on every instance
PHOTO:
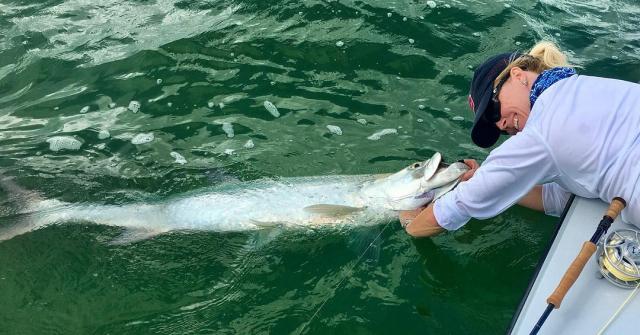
(332, 210)
(267, 224)
(134, 235)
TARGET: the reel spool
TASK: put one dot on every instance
(619, 258)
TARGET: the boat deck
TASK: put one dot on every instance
(592, 300)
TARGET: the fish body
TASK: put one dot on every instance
(286, 202)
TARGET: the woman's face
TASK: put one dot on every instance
(514, 100)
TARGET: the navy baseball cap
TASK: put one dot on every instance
(484, 132)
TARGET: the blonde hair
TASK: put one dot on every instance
(543, 56)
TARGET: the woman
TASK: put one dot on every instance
(570, 134)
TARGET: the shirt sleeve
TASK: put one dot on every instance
(554, 199)
(510, 171)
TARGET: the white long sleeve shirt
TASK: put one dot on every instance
(582, 136)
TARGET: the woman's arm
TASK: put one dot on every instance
(533, 199)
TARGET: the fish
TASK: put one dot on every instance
(242, 206)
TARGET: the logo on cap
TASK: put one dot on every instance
(471, 103)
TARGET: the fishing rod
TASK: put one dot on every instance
(574, 270)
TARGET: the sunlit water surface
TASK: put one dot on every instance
(152, 99)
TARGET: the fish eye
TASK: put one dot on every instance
(415, 165)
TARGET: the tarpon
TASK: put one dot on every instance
(286, 202)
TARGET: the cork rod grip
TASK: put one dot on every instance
(617, 205)
(588, 248)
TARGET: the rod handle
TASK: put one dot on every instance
(570, 277)
(617, 205)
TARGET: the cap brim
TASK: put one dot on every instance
(484, 134)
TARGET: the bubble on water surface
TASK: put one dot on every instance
(58, 143)
(102, 134)
(339, 44)
(411, 41)
(228, 129)
(431, 4)
(134, 106)
(159, 81)
(142, 138)
(376, 136)
(271, 108)
(334, 129)
(179, 159)
(457, 118)
(84, 109)
(249, 144)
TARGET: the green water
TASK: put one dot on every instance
(196, 65)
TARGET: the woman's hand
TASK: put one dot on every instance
(407, 216)
(420, 222)
(473, 166)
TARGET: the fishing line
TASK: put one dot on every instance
(617, 312)
(349, 272)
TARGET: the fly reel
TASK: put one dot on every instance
(619, 258)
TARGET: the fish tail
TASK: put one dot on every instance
(23, 211)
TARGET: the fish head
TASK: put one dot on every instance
(418, 184)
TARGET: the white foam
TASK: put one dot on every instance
(362, 121)
(210, 104)
(447, 109)
(334, 129)
(112, 105)
(134, 106)
(103, 134)
(229, 152)
(376, 136)
(404, 19)
(458, 118)
(101, 146)
(142, 138)
(421, 107)
(411, 41)
(249, 144)
(84, 109)
(271, 108)
(339, 44)
(228, 129)
(431, 4)
(179, 158)
(389, 14)
(58, 143)
(221, 105)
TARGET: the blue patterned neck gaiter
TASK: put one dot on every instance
(548, 78)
